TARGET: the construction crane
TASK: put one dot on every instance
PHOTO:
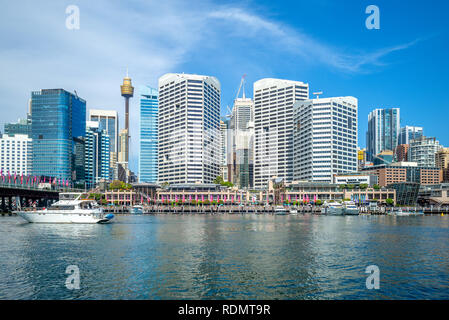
(242, 85)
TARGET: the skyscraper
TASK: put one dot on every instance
(224, 149)
(325, 138)
(408, 133)
(241, 153)
(383, 131)
(189, 128)
(108, 120)
(273, 126)
(97, 154)
(57, 117)
(423, 150)
(148, 134)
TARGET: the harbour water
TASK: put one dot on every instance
(227, 257)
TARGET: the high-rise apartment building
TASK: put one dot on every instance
(423, 150)
(97, 154)
(442, 162)
(189, 128)
(325, 138)
(273, 127)
(383, 131)
(408, 133)
(57, 117)
(224, 133)
(15, 154)
(401, 152)
(148, 134)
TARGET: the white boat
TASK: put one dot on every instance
(293, 211)
(402, 213)
(136, 210)
(332, 209)
(280, 211)
(70, 208)
(350, 209)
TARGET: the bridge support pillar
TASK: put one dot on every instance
(10, 203)
(3, 209)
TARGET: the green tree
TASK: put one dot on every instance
(389, 201)
(376, 187)
(319, 202)
(363, 186)
(116, 184)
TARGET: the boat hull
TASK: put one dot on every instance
(34, 217)
(351, 212)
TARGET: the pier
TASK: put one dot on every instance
(254, 209)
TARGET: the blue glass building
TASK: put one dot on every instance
(57, 118)
(383, 131)
(97, 154)
(148, 166)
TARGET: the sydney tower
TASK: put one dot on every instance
(127, 92)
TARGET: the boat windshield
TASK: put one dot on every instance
(88, 205)
(61, 207)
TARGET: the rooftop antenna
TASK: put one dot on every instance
(318, 94)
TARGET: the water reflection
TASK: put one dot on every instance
(227, 257)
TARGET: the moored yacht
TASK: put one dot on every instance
(280, 211)
(332, 209)
(70, 208)
(350, 209)
(136, 209)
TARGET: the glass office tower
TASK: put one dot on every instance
(58, 117)
(97, 154)
(148, 171)
(383, 131)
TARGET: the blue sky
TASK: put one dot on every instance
(324, 43)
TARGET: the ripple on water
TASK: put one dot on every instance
(227, 257)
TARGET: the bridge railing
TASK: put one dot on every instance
(23, 186)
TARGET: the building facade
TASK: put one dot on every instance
(401, 153)
(409, 133)
(22, 126)
(442, 162)
(325, 138)
(109, 121)
(189, 128)
(422, 151)
(97, 154)
(224, 135)
(15, 154)
(273, 128)
(406, 172)
(57, 117)
(383, 131)
(148, 159)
